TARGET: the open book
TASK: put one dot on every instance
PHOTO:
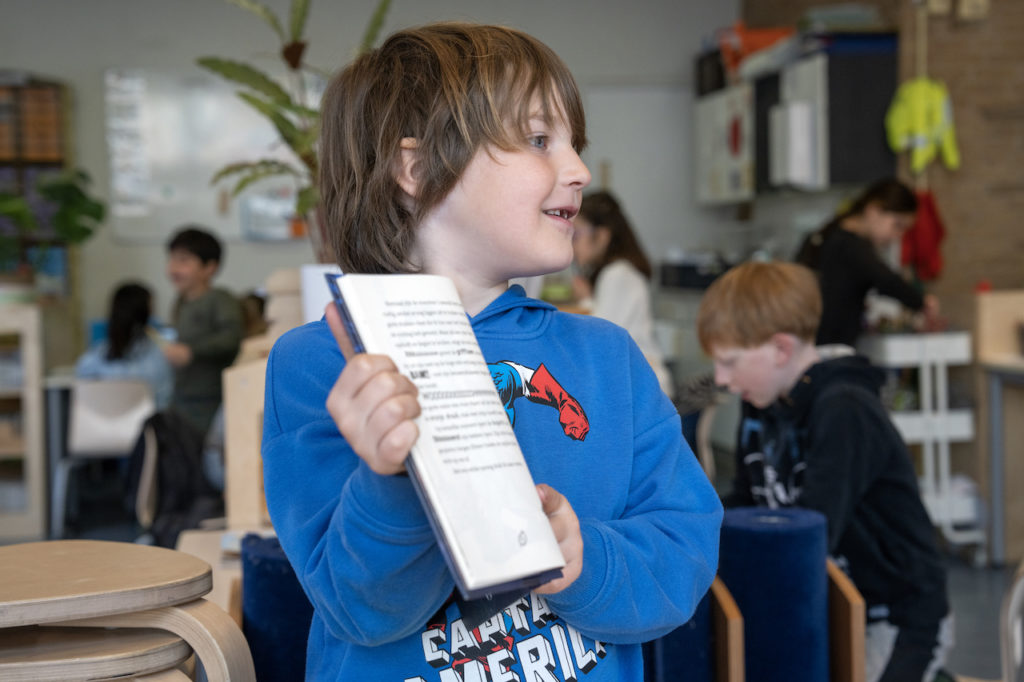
(466, 465)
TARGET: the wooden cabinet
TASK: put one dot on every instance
(22, 462)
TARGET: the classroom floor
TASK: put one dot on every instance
(975, 593)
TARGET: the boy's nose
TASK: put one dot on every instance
(575, 172)
(722, 379)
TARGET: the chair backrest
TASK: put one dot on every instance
(1012, 629)
(107, 416)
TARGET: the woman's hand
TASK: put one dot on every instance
(373, 405)
(567, 532)
(929, 320)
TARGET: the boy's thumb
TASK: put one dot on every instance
(338, 330)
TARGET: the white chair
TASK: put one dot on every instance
(1011, 633)
(106, 418)
(1011, 629)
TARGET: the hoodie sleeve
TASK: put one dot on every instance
(645, 572)
(847, 429)
(359, 542)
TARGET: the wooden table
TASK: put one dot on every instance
(998, 372)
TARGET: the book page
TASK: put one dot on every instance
(467, 456)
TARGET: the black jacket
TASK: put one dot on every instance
(830, 446)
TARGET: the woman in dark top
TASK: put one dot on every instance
(845, 253)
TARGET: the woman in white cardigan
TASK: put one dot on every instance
(616, 273)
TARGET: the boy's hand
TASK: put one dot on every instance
(567, 531)
(373, 405)
(178, 354)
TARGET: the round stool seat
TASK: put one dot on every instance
(61, 580)
(41, 654)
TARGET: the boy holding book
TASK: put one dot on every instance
(453, 150)
(813, 433)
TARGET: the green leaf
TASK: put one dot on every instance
(268, 166)
(15, 207)
(248, 76)
(255, 175)
(373, 28)
(288, 131)
(299, 12)
(263, 12)
(306, 200)
(70, 227)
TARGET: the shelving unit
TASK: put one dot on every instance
(22, 459)
(935, 425)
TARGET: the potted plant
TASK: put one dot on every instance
(63, 213)
(289, 108)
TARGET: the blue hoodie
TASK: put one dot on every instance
(592, 423)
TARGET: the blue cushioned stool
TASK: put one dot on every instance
(276, 614)
(774, 563)
(684, 653)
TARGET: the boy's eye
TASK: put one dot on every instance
(539, 141)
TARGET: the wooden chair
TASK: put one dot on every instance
(244, 501)
(727, 626)
(846, 630)
(97, 584)
(846, 617)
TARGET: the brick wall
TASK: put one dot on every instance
(981, 203)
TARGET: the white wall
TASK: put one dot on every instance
(621, 53)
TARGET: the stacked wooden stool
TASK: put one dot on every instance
(94, 610)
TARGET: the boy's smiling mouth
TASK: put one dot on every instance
(564, 213)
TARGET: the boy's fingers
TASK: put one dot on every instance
(550, 498)
(338, 330)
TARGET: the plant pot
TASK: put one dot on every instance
(17, 286)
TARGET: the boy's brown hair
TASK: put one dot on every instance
(454, 87)
(748, 304)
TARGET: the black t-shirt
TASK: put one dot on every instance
(850, 268)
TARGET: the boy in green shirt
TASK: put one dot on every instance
(208, 322)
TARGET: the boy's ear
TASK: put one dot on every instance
(785, 347)
(209, 269)
(405, 171)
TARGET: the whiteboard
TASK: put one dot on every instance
(167, 135)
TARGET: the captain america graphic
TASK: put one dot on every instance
(515, 381)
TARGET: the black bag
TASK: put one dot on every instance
(183, 495)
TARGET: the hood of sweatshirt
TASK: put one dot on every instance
(850, 369)
(513, 315)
